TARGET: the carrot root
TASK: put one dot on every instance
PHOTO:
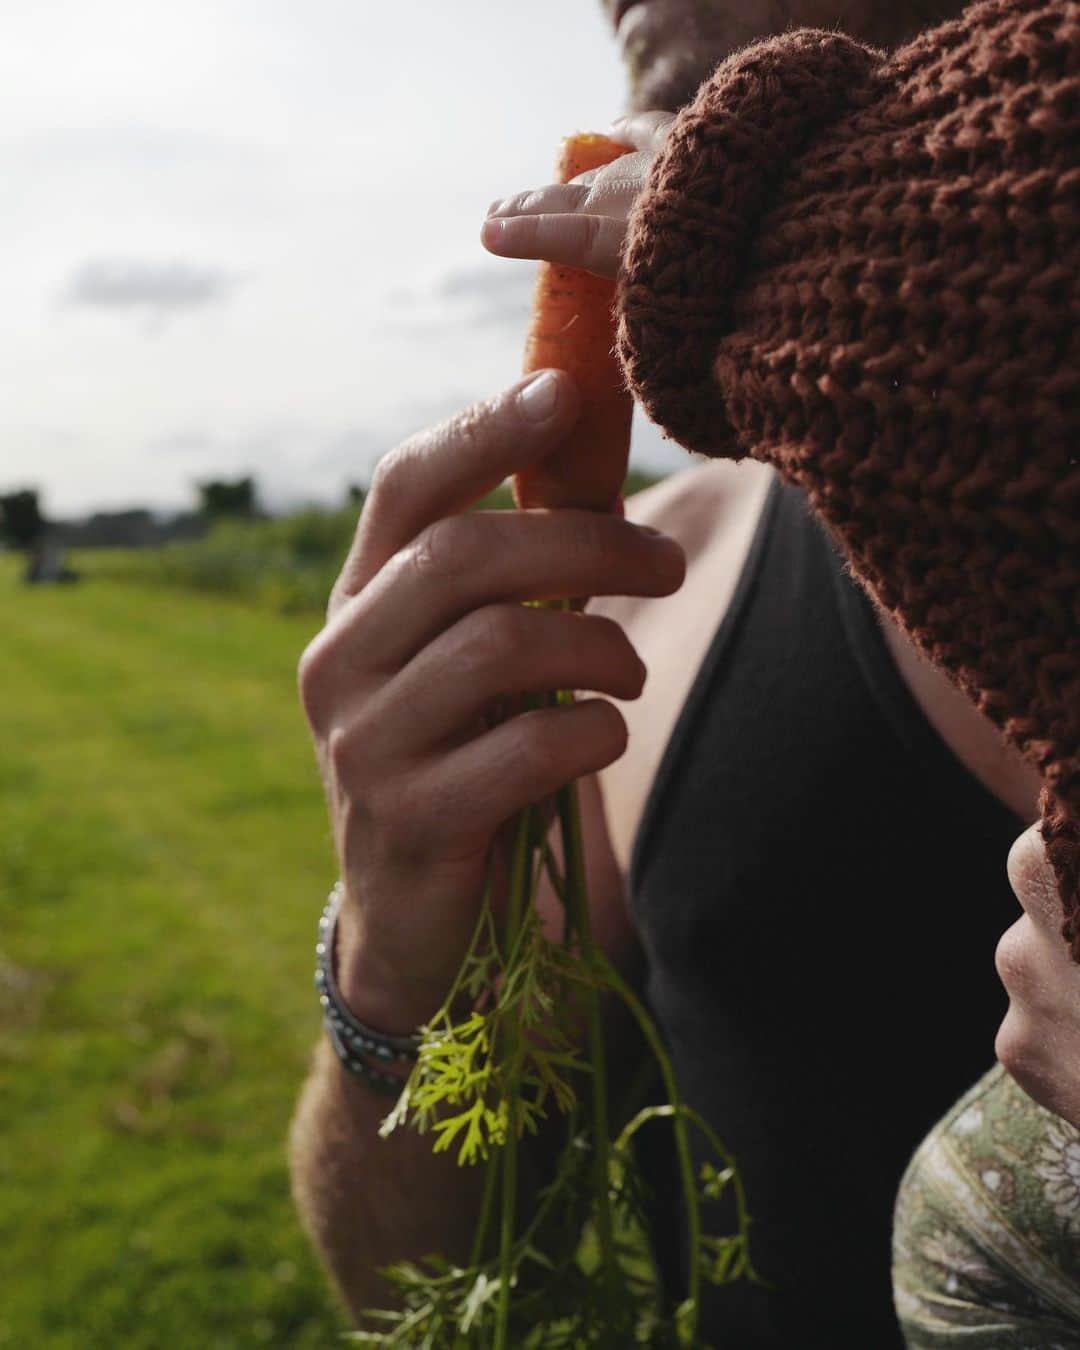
(573, 329)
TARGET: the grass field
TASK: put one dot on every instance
(163, 859)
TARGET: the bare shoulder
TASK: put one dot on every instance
(685, 495)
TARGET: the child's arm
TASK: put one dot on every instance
(581, 223)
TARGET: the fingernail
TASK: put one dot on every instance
(492, 231)
(493, 209)
(539, 397)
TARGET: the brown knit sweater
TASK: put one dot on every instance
(862, 268)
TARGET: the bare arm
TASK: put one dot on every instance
(426, 632)
(366, 1202)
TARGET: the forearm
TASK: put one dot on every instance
(368, 1202)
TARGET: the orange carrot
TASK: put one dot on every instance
(573, 329)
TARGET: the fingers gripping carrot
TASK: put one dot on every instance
(573, 329)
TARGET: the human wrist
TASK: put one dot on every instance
(376, 991)
(368, 1054)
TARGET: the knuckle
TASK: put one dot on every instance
(339, 592)
(358, 754)
(589, 234)
(339, 752)
(1009, 958)
(588, 534)
(384, 487)
(536, 747)
(343, 585)
(494, 632)
(600, 735)
(444, 548)
(583, 181)
(1020, 1048)
(466, 433)
(312, 677)
(394, 477)
(1016, 963)
(1032, 877)
(388, 478)
(533, 199)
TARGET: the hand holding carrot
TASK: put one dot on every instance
(426, 636)
(581, 223)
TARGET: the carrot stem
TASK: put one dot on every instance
(518, 898)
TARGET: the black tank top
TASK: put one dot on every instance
(819, 886)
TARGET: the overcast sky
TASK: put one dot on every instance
(240, 236)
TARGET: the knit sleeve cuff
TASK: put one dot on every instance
(691, 231)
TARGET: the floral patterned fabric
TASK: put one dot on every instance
(986, 1245)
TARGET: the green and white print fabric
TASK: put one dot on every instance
(986, 1243)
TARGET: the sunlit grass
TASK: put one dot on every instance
(163, 860)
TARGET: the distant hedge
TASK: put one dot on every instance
(288, 563)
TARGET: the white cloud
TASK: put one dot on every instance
(478, 295)
(185, 442)
(159, 288)
(342, 154)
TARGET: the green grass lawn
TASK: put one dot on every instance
(164, 856)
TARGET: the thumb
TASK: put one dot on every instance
(1033, 881)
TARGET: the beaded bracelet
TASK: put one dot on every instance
(351, 1039)
(386, 1083)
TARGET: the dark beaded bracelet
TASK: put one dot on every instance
(386, 1083)
(349, 1036)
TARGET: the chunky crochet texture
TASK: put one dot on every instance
(863, 268)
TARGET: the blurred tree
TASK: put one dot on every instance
(223, 497)
(21, 521)
(637, 480)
